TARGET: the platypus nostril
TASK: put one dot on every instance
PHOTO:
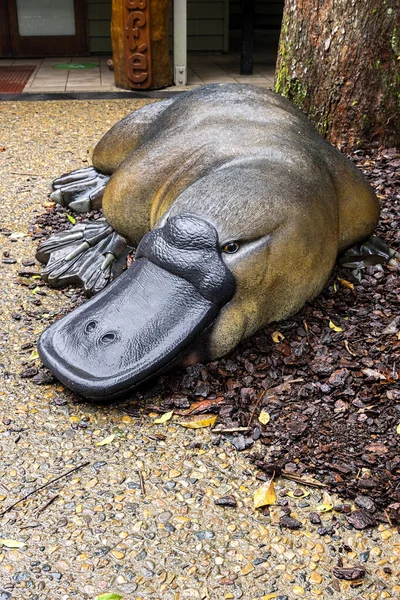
(91, 326)
(107, 338)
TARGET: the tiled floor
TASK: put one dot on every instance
(202, 69)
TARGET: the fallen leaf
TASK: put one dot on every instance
(106, 440)
(109, 597)
(264, 417)
(323, 508)
(2, 149)
(347, 284)
(303, 495)
(265, 495)
(277, 337)
(327, 504)
(198, 423)
(203, 406)
(17, 235)
(398, 429)
(34, 355)
(334, 327)
(8, 543)
(346, 345)
(374, 373)
(71, 219)
(164, 418)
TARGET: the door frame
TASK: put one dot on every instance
(12, 44)
(5, 41)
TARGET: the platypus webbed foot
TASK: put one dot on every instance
(373, 251)
(90, 254)
(81, 190)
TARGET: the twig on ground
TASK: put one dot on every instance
(141, 483)
(42, 487)
(47, 504)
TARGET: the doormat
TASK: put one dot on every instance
(14, 79)
(76, 66)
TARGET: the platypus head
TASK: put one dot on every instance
(243, 246)
(144, 320)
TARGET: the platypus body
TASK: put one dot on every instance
(238, 209)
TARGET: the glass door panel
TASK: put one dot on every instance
(46, 17)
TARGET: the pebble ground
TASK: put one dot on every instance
(139, 518)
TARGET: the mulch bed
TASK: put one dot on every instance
(330, 386)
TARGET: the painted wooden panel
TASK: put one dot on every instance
(99, 24)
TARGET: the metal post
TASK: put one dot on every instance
(180, 42)
(248, 22)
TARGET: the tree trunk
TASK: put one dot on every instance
(139, 35)
(339, 62)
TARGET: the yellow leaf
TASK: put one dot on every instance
(265, 495)
(326, 505)
(347, 284)
(198, 423)
(8, 543)
(106, 440)
(264, 417)
(34, 355)
(164, 418)
(334, 327)
(292, 495)
(277, 337)
(323, 508)
(398, 429)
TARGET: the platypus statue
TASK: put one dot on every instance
(238, 209)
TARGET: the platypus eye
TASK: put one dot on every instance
(230, 247)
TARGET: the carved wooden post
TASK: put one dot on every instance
(139, 34)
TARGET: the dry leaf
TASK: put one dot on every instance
(264, 417)
(34, 355)
(334, 327)
(8, 543)
(198, 423)
(164, 418)
(327, 504)
(374, 373)
(292, 495)
(107, 440)
(277, 337)
(265, 495)
(346, 345)
(347, 284)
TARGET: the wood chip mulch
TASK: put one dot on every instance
(330, 383)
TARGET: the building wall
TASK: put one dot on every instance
(99, 21)
(209, 22)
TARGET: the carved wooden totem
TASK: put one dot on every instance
(139, 32)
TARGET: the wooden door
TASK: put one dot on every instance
(44, 28)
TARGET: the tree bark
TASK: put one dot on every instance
(339, 62)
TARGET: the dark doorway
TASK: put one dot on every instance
(254, 29)
(43, 28)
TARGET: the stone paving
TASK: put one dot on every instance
(138, 516)
(202, 68)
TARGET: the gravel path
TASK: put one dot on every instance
(138, 516)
